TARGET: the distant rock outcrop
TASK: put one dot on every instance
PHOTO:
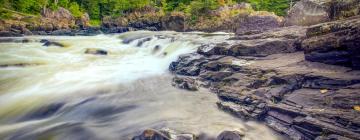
(257, 22)
(310, 12)
(50, 22)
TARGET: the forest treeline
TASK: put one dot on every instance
(97, 9)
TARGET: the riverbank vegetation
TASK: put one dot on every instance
(98, 9)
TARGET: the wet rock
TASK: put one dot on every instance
(89, 31)
(156, 48)
(18, 65)
(174, 135)
(142, 41)
(115, 30)
(48, 43)
(9, 34)
(39, 33)
(188, 65)
(151, 134)
(213, 49)
(285, 92)
(43, 112)
(187, 83)
(62, 32)
(230, 135)
(95, 51)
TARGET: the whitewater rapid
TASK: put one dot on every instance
(62, 93)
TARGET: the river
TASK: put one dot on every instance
(62, 93)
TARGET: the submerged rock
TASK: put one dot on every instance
(48, 43)
(95, 51)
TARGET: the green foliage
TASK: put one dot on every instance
(97, 9)
(4, 14)
(95, 22)
(27, 6)
(279, 7)
(74, 8)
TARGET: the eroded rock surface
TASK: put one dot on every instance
(336, 43)
(266, 77)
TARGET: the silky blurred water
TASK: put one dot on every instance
(62, 93)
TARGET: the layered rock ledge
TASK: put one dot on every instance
(285, 78)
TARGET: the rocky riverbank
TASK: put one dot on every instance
(240, 18)
(302, 81)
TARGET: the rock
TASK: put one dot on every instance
(26, 31)
(151, 134)
(230, 135)
(83, 21)
(213, 49)
(9, 34)
(142, 41)
(174, 135)
(95, 51)
(185, 83)
(281, 40)
(48, 43)
(39, 33)
(174, 22)
(116, 30)
(89, 31)
(335, 43)
(281, 89)
(257, 22)
(61, 18)
(310, 12)
(63, 32)
(187, 65)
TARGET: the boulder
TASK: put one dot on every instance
(230, 135)
(310, 12)
(257, 22)
(174, 22)
(335, 43)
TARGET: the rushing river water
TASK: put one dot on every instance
(62, 93)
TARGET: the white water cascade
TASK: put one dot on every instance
(62, 93)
